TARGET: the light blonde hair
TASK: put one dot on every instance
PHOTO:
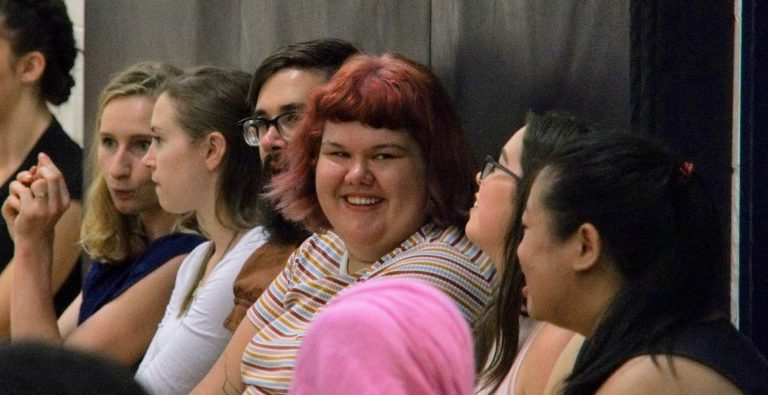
(107, 235)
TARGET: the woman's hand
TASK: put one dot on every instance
(12, 204)
(37, 199)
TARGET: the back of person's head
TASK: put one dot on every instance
(387, 336)
(544, 132)
(35, 368)
(499, 330)
(106, 234)
(208, 99)
(323, 55)
(658, 229)
(43, 26)
(392, 92)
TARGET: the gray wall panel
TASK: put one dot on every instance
(376, 26)
(501, 58)
(497, 58)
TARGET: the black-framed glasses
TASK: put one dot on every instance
(255, 128)
(491, 165)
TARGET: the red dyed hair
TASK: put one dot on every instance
(392, 92)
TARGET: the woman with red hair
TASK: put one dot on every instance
(381, 172)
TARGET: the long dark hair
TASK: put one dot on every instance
(498, 332)
(658, 228)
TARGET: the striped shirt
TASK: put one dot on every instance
(316, 272)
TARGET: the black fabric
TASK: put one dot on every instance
(68, 156)
(718, 345)
(681, 75)
(105, 282)
(753, 174)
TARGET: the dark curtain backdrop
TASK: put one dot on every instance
(498, 59)
(682, 85)
(754, 173)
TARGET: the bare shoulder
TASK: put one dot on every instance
(564, 365)
(536, 365)
(677, 375)
(538, 362)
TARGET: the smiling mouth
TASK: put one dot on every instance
(363, 201)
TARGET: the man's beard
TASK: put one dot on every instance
(269, 166)
(278, 228)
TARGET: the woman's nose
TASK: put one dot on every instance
(359, 173)
(149, 158)
(120, 166)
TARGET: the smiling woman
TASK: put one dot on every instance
(381, 171)
(366, 187)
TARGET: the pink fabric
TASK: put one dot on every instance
(387, 336)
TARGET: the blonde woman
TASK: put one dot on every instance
(125, 233)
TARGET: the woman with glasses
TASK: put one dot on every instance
(201, 164)
(381, 171)
(504, 367)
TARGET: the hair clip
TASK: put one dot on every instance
(685, 170)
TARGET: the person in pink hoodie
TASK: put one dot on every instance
(392, 336)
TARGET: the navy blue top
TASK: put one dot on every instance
(68, 157)
(718, 345)
(106, 282)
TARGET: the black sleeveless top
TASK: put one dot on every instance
(68, 157)
(717, 344)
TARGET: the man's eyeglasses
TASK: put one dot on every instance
(255, 128)
(491, 165)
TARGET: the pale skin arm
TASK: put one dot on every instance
(539, 361)
(640, 375)
(36, 201)
(224, 376)
(65, 253)
(564, 365)
(122, 329)
(68, 319)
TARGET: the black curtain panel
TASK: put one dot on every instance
(753, 196)
(682, 87)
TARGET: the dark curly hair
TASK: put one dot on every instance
(44, 26)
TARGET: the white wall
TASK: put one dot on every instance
(70, 114)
